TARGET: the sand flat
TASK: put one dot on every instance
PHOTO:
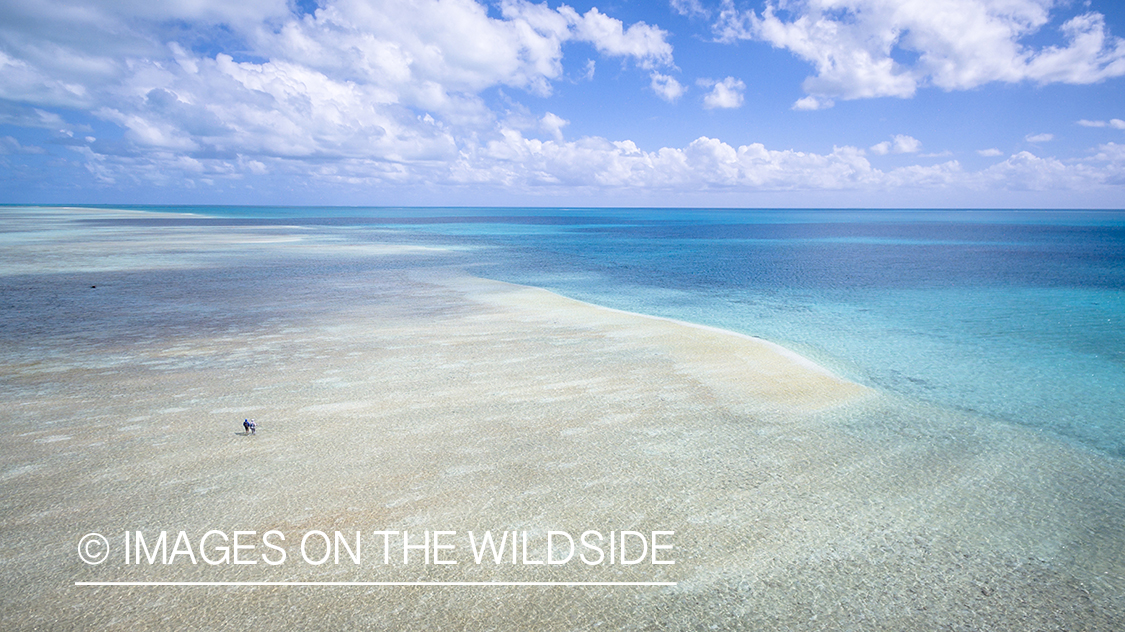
(401, 394)
(739, 368)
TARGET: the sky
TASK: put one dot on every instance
(692, 103)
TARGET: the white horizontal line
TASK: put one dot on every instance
(375, 583)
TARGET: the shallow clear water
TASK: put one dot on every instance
(1013, 314)
(392, 391)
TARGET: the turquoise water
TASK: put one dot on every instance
(1012, 314)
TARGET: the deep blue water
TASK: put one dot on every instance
(1013, 314)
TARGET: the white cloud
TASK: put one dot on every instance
(22, 116)
(589, 74)
(858, 47)
(641, 41)
(1114, 123)
(724, 94)
(1112, 153)
(990, 153)
(667, 87)
(379, 93)
(516, 164)
(553, 124)
(9, 145)
(1039, 138)
(65, 52)
(382, 80)
(425, 49)
(1026, 171)
(709, 164)
(812, 103)
(705, 162)
(692, 8)
(899, 144)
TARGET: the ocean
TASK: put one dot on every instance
(1016, 315)
(973, 479)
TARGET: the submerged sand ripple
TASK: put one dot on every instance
(393, 393)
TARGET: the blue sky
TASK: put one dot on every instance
(783, 103)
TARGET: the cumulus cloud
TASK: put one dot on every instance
(1026, 171)
(990, 153)
(383, 92)
(709, 164)
(667, 87)
(813, 103)
(380, 80)
(645, 43)
(899, 144)
(1114, 123)
(704, 162)
(1039, 138)
(1112, 153)
(553, 124)
(517, 163)
(724, 94)
(873, 48)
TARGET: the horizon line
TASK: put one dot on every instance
(402, 583)
(573, 207)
